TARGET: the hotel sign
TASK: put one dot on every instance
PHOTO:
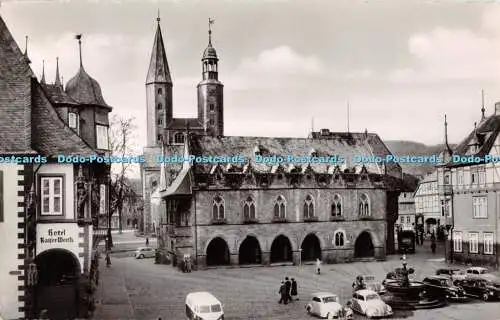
(56, 235)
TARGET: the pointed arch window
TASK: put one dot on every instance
(280, 208)
(218, 208)
(159, 106)
(336, 206)
(249, 209)
(309, 207)
(160, 91)
(364, 206)
(339, 238)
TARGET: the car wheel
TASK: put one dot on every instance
(141, 256)
(485, 296)
(308, 309)
(329, 316)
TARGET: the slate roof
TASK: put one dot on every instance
(486, 134)
(56, 95)
(28, 121)
(51, 136)
(158, 66)
(344, 145)
(15, 99)
(85, 90)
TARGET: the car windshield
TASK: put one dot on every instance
(446, 282)
(372, 297)
(482, 271)
(369, 278)
(204, 309)
(330, 299)
(216, 308)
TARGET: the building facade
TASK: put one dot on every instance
(407, 213)
(243, 211)
(50, 207)
(427, 203)
(474, 192)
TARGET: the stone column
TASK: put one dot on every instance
(201, 262)
(266, 258)
(296, 257)
(379, 253)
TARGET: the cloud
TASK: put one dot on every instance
(454, 54)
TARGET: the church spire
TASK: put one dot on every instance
(79, 38)
(58, 80)
(482, 105)
(158, 71)
(42, 80)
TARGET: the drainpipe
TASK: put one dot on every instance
(452, 246)
(195, 232)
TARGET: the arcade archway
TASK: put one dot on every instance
(250, 252)
(281, 250)
(218, 252)
(311, 248)
(363, 248)
(57, 287)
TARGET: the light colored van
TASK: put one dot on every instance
(203, 306)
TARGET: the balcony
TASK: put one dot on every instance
(311, 219)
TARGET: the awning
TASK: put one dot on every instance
(181, 186)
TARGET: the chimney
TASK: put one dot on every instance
(497, 108)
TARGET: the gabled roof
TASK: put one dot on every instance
(85, 90)
(158, 66)
(15, 99)
(51, 136)
(486, 133)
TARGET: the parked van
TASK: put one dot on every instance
(203, 306)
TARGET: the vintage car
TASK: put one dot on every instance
(443, 287)
(203, 306)
(369, 282)
(326, 305)
(449, 272)
(480, 288)
(369, 303)
(144, 252)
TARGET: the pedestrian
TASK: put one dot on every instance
(188, 264)
(147, 241)
(294, 291)
(318, 266)
(288, 287)
(108, 260)
(433, 246)
(282, 293)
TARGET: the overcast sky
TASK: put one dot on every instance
(401, 64)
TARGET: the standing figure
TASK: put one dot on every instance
(318, 266)
(188, 264)
(108, 259)
(147, 241)
(433, 246)
(282, 293)
(294, 291)
(288, 287)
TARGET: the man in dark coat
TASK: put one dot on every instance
(282, 293)
(288, 286)
(294, 291)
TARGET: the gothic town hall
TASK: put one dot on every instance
(254, 213)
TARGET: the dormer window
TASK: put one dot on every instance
(160, 91)
(73, 120)
(211, 107)
(102, 137)
(160, 106)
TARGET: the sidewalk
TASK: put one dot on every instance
(112, 300)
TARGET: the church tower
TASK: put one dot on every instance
(158, 92)
(210, 91)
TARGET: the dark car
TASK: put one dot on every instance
(443, 287)
(480, 288)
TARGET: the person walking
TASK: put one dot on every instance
(433, 246)
(147, 241)
(108, 259)
(282, 293)
(318, 266)
(288, 287)
(294, 292)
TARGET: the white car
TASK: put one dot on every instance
(144, 252)
(326, 305)
(369, 303)
(477, 272)
(203, 306)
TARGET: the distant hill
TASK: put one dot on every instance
(412, 148)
